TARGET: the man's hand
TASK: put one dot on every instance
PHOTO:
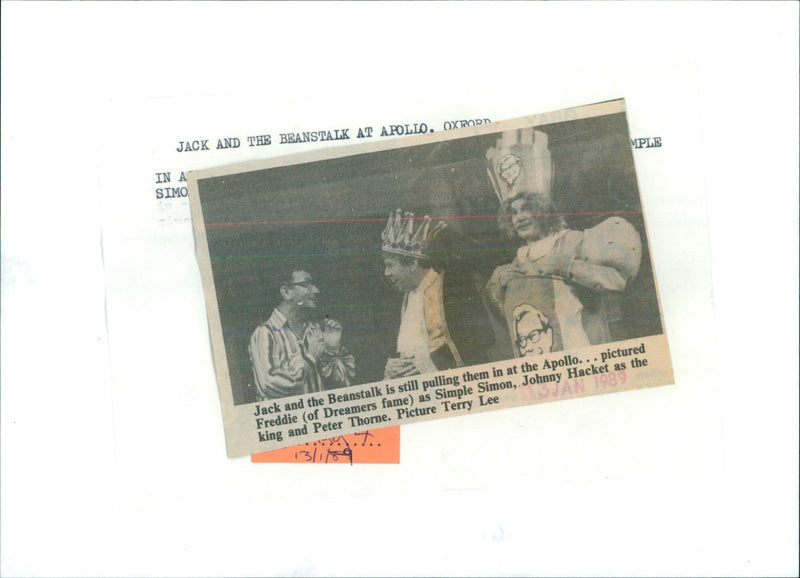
(332, 335)
(315, 341)
(400, 367)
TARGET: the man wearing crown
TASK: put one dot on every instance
(559, 274)
(443, 322)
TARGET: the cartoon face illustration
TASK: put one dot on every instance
(509, 168)
(534, 335)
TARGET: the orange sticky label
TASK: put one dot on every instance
(380, 446)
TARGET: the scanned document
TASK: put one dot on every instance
(444, 274)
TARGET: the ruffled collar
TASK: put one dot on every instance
(538, 249)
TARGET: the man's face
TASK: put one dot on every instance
(532, 337)
(401, 275)
(524, 221)
(301, 291)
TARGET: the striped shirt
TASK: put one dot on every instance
(282, 366)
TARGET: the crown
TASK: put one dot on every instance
(520, 163)
(400, 237)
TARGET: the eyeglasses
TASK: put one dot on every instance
(307, 284)
(532, 337)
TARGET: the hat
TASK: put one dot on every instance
(520, 163)
(401, 238)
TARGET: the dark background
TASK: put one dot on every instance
(249, 241)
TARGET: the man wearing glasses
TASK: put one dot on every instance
(534, 336)
(291, 354)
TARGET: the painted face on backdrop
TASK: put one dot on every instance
(400, 274)
(301, 290)
(533, 331)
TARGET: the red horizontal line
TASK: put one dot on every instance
(383, 219)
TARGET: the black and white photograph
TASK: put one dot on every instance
(459, 251)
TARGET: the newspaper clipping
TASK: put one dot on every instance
(434, 275)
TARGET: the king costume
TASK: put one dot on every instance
(443, 322)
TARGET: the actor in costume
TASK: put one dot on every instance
(291, 355)
(560, 273)
(443, 322)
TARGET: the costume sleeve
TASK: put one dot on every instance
(496, 289)
(274, 374)
(596, 277)
(336, 369)
(603, 258)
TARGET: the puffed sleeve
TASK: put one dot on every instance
(614, 243)
(603, 258)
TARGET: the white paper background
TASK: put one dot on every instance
(113, 458)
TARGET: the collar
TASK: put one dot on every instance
(428, 280)
(538, 249)
(277, 319)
